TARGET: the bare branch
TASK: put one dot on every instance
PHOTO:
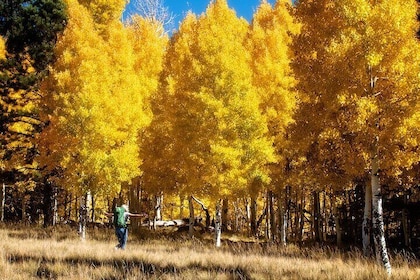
(155, 11)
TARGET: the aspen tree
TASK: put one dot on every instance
(218, 137)
(269, 40)
(368, 84)
(96, 102)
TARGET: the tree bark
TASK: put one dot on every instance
(284, 215)
(135, 205)
(268, 215)
(316, 217)
(301, 218)
(378, 223)
(218, 225)
(2, 201)
(50, 204)
(205, 210)
(225, 214)
(24, 201)
(83, 213)
(253, 210)
(92, 214)
(158, 207)
(367, 221)
(192, 218)
(406, 223)
(336, 214)
(324, 222)
(271, 217)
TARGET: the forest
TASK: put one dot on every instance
(298, 127)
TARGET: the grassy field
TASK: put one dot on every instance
(29, 253)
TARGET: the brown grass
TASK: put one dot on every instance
(59, 254)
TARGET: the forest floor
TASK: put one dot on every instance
(38, 253)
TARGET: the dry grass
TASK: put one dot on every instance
(36, 254)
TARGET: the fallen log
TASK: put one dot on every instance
(180, 223)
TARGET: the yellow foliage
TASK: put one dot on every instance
(96, 99)
(208, 130)
(269, 39)
(2, 48)
(361, 84)
(104, 12)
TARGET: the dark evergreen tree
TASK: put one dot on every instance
(30, 29)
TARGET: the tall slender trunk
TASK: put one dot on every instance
(237, 215)
(283, 206)
(248, 215)
(158, 207)
(272, 216)
(324, 222)
(225, 214)
(406, 223)
(134, 203)
(218, 225)
(301, 218)
(378, 222)
(316, 217)
(92, 213)
(83, 214)
(2, 201)
(88, 205)
(336, 215)
(268, 215)
(158, 210)
(367, 221)
(66, 205)
(50, 204)
(69, 207)
(253, 221)
(24, 201)
(192, 218)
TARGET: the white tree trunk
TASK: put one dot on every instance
(218, 225)
(283, 224)
(55, 208)
(2, 203)
(158, 207)
(268, 216)
(367, 221)
(83, 213)
(378, 223)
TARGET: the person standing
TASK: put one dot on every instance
(121, 215)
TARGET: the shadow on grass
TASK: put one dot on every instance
(128, 267)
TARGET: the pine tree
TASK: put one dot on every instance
(30, 30)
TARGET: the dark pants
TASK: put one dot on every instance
(122, 236)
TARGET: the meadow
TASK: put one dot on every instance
(37, 253)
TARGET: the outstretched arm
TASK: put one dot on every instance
(137, 215)
(109, 214)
